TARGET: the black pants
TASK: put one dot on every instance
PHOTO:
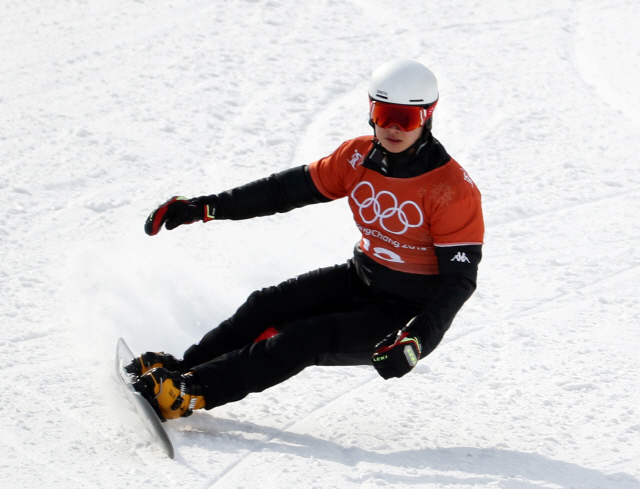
(324, 317)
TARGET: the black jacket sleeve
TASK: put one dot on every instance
(455, 283)
(280, 192)
(435, 319)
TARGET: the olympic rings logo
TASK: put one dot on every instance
(374, 208)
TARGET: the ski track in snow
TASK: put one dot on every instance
(107, 109)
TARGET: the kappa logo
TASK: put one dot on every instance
(468, 178)
(461, 257)
(355, 159)
(394, 218)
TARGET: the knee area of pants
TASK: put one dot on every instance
(321, 335)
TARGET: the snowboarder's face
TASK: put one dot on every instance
(395, 140)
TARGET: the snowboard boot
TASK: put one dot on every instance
(145, 362)
(171, 394)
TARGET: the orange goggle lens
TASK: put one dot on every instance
(406, 117)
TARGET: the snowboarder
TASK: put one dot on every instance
(416, 264)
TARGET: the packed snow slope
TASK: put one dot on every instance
(109, 108)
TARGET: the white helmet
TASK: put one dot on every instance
(404, 82)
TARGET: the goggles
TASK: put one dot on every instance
(406, 117)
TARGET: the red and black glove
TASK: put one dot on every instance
(397, 354)
(180, 210)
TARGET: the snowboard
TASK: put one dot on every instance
(148, 416)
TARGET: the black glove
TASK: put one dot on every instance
(180, 210)
(397, 354)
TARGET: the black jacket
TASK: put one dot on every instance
(435, 299)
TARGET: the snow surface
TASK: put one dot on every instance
(109, 108)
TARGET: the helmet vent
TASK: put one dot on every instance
(417, 100)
